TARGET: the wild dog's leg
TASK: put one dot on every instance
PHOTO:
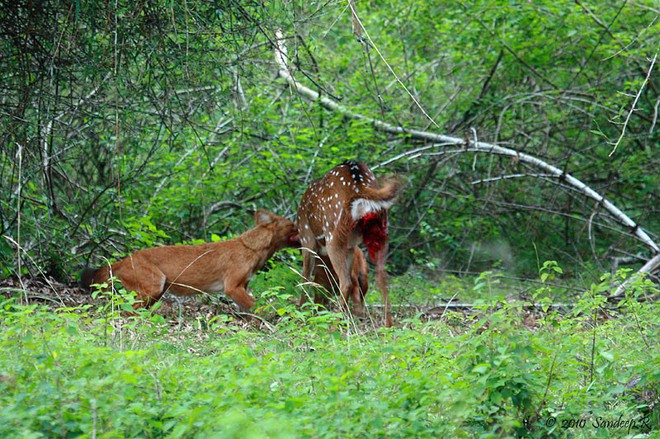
(239, 295)
(148, 282)
(359, 281)
(356, 296)
(357, 292)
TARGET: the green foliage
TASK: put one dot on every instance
(128, 125)
(91, 372)
(549, 270)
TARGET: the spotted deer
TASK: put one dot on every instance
(339, 211)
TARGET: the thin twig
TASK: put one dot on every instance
(20, 249)
(593, 349)
(357, 19)
(19, 156)
(547, 386)
(511, 176)
(634, 104)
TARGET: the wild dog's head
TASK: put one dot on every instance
(284, 231)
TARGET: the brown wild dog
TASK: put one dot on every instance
(210, 267)
(325, 276)
(339, 211)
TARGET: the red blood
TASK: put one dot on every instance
(374, 233)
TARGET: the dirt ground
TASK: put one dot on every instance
(203, 308)
(56, 295)
(199, 308)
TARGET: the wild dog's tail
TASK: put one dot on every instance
(87, 278)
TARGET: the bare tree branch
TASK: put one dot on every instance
(632, 109)
(651, 266)
(510, 176)
(443, 140)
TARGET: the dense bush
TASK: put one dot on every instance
(90, 373)
(127, 125)
(131, 124)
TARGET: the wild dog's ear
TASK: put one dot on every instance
(262, 216)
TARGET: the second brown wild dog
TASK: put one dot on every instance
(345, 208)
(203, 268)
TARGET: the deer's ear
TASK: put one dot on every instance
(262, 216)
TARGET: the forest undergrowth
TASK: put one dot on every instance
(511, 365)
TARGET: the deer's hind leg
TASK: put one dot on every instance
(342, 262)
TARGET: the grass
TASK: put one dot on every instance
(496, 372)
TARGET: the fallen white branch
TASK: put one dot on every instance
(443, 140)
(647, 268)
